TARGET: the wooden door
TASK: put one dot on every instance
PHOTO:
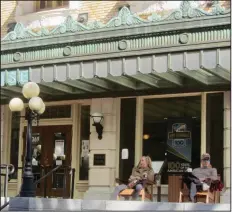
(57, 184)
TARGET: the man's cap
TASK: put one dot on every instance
(205, 156)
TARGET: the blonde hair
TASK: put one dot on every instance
(148, 160)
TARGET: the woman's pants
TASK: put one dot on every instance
(120, 188)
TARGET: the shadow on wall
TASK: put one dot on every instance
(8, 10)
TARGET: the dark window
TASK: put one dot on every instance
(127, 136)
(42, 4)
(214, 131)
(173, 126)
(54, 112)
(51, 4)
(84, 143)
(14, 147)
(10, 27)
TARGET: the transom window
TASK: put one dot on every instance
(42, 5)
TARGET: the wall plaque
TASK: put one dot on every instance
(99, 159)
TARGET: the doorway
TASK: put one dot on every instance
(44, 141)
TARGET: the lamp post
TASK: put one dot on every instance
(36, 107)
(97, 119)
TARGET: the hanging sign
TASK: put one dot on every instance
(179, 144)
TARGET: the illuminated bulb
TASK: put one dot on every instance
(41, 111)
(36, 103)
(30, 89)
(146, 136)
(16, 105)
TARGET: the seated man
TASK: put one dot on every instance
(141, 172)
(205, 174)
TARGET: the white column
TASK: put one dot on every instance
(203, 123)
(102, 178)
(225, 198)
(2, 130)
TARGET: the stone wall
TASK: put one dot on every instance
(102, 178)
(2, 131)
(225, 198)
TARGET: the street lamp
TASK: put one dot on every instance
(36, 108)
(97, 119)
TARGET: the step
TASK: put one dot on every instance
(48, 204)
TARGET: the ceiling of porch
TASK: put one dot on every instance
(88, 79)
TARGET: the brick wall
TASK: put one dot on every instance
(101, 10)
(8, 9)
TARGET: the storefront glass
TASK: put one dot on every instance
(84, 143)
(172, 130)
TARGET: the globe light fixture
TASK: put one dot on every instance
(97, 119)
(36, 103)
(16, 105)
(41, 111)
(36, 107)
(30, 89)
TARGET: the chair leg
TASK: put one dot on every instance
(180, 197)
(143, 194)
(207, 199)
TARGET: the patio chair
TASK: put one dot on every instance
(210, 196)
(128, 193)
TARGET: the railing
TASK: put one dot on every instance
(9, 169)
(47, 173)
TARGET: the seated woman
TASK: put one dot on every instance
(141, 172)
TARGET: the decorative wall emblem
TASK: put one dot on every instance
(17, 56)
(184, 38)
(67, 51)
(122, 45)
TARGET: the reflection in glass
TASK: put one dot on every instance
(84, 143)
(173, 125)
(14, 147)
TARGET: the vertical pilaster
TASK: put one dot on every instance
(227, 108)
(203, 123)
(227, 163)
(139, 129)
(102, 178)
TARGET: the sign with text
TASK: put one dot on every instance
(35, 138)
(99, 159)
(179, 143)
(178, 166)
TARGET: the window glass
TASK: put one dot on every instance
(14, 147)
(84, 143)
(215, 131)
(127, 136)
(172, 126)
(51, 4)
(42, 4)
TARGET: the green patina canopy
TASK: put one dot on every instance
(189, 49)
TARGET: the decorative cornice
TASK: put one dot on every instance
(125, 44)
(124, 19)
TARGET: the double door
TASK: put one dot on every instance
(51, 147)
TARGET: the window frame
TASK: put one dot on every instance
(53, 7)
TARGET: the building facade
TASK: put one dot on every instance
(151, 73)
